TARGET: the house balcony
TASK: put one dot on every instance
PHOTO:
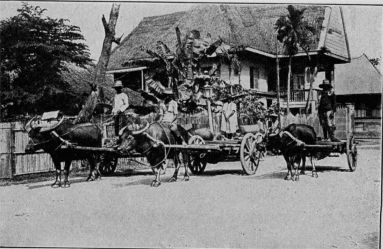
(298, 97)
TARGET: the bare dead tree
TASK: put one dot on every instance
(110, 32)
(99, 73)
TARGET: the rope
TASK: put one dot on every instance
(166, 152)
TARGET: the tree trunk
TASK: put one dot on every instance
(288, 85)
(278, 87)
(109, 28)
(312, 76)
(86, 113)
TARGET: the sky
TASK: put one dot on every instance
(363, 23)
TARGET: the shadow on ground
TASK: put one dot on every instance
(282, 174)
(71, 181)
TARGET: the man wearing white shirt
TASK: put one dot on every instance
(169, 113)
(120, 104)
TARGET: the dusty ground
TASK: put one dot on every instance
(223, 208)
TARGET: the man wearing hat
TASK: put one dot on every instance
(229, 120)
(120, 104)
(169, 112)
(326, 110)
(274, 124)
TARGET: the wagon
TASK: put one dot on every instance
(201, 152)
(252, 146)
(248, 148)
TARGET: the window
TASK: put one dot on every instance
(254, 76)
(298, 81)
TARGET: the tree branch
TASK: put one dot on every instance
(105, 24)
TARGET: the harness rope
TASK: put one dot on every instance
(166, 152)
(63, 141)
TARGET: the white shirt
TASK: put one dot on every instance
(171, 112)
(121, 103)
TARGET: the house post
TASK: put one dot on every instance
(143, 85)
(278, 83)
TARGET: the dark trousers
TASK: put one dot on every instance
(326, 120)
(120, 121)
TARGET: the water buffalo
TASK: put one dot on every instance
(50, 140)
(150, 142)
(289, 142)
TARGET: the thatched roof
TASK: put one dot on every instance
(80, 79)
(358, 77)
(248, 25)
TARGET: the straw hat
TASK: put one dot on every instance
(118, 84)
(325, 85)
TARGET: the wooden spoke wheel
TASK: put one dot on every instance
(197, 166)
(108, 164)
(352, 153)
(249, 153)
(197, 163)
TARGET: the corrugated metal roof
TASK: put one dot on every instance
(357, 77)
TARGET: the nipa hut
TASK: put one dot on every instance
(248, 26)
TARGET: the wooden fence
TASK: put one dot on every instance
(13, 140)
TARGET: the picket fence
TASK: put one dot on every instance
(13, 140)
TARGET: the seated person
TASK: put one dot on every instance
(169, 112)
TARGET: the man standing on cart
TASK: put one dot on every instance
(326, 111)
(120, 104)
(229, 121)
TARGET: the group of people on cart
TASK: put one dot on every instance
(168, 111)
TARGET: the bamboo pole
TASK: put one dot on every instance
(278, 87)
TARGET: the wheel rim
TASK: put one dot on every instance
(352, 154)
(249, 153)
(108, 164)
(197, 164)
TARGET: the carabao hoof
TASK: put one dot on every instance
(314, 174)
(303, 172)
(90, 178)
(155, 184)
(288, 177)
(172, 179)
(66, 184)
(186, 178)
(56, 184)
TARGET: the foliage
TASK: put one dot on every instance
(294, 31)
(252, 107)
(34, 49)
(184, 67)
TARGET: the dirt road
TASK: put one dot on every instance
(223, 208)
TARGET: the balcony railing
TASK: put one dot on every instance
(300, 95)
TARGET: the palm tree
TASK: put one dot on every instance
(294, 32)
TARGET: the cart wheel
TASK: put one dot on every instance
(108, 164)
(197, 163)
(249, 154)
(352, 153)
(195, 139)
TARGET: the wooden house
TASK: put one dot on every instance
(249, 26)
(359, 83)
